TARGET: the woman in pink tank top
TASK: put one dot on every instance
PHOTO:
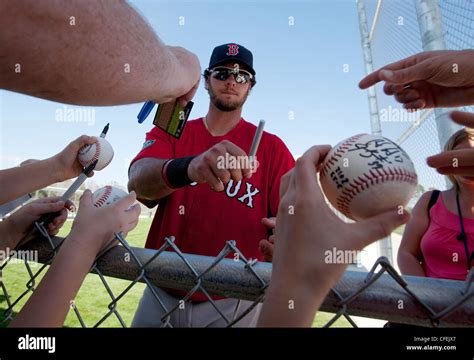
(438, 241)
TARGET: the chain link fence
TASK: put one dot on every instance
(394, 35)
(380, 293)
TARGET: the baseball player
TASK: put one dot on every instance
(205, 201)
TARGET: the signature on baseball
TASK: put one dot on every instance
(380, 151)
(365, 175)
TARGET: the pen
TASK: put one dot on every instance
(256, 139)
(145, 111)
(47, 218)
(104, 132)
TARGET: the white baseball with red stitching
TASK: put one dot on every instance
(107, 195)
(101, 150)
(366, 175)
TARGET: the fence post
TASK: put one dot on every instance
(384, 245)
(432, 38)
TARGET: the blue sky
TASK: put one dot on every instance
(300, 69)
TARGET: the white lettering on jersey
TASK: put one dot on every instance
(229, 187)
(250, 194)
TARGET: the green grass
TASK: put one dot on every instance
(92, 300)
(322, 318)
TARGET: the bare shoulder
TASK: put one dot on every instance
(421, 207)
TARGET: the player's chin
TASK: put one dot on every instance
(229, 102)
(229, 99)
(226, 108)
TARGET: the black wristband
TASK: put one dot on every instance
(176, 172)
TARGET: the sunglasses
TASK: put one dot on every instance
(223, 73)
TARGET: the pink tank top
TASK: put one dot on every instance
(443, 254)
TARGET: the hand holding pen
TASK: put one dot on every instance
(86, 172)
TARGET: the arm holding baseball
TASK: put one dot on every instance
(38, 174)
(92, 231)
(409, 253)
(300, 273)
(98, 53)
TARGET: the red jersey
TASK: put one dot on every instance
(202, 220)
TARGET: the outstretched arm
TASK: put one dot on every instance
(89, 53)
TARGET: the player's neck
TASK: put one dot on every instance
(219, 122)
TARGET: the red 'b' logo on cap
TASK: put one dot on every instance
(233, 50)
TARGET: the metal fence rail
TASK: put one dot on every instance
(380, 293)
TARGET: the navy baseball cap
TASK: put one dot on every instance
(232, 52)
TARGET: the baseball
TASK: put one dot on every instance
(365, 175)
(101, 150)
(107, 195)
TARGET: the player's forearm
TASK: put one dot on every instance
(86, 53)
(409, 264)
(145, 178)
(291, 304)
(51, 301)
(33, 176)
